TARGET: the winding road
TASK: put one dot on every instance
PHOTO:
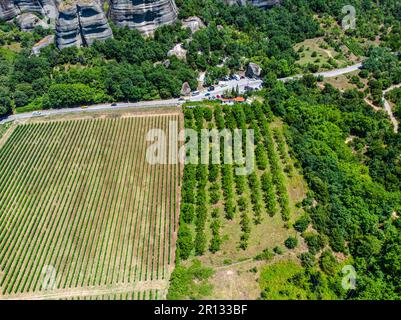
(388, 108)
(219, 90)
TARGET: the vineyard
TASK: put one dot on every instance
(228, 218)
(80, 207)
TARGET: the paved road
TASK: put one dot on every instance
(219, 90)
(328, 74)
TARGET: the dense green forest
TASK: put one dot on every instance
(347, 152)
(354, 183)
(131, 68)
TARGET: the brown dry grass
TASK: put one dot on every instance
(233, 278)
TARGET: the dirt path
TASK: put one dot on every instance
(235, 264)
(95, 291)
(370, 103)
(388, 108)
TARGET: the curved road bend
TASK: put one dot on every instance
(387, 106)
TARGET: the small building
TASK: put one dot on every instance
(231, 101)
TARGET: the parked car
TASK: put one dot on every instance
(195, 93)
(211, 88)
(36, 113)
(114, 104)
(207, 94)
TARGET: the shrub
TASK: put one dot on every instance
(189, 282)
(291, 242)
(328, 262)
(184, 241)
(278, 250)
(314, 241)
(307, 260)
(265, 255)
(301, 224)
(200, 242)
(187, 212)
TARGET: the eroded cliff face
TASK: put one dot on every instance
(93, 22)
(7, 10)
(10, 9)
(81, 22)
(76, 22)
(143, 15)
(67, 26)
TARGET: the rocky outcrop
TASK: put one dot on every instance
(80, 23)
(253, 70)
(178, 51)
(193, 23)
(28, 21)
(76, 22)
(9, 9)
(67, 26)
(185, 89)
(143, 15)
(93, 22)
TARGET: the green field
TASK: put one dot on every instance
(227, 220)
(79, 196)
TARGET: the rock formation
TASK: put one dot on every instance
(9, 9)
(76, 21)
(185, 89)
(93, 22)
(28, 21)
(178, 51)
(143, 15)
(67, 26)
(253, 70)
(193, 23)
(79, 23)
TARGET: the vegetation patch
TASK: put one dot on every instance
(190, 282)
(79, 197)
